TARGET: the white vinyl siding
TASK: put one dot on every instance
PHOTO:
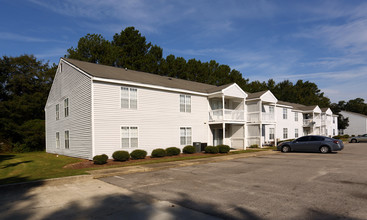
(296, 132)
(129, 137)
(285, 115)
(185, 136)
(185, 103)
(57, 112)
(271, 133)
(66, 107)
(129, 98)
(285, 133)
(67, 140)
(57, 140)
(75, 86)
(296, 116)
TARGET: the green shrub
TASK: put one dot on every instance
(121, 155)
(211, 150)
(254, 146)
(138, 154)
(172, 151)
(100, 159)
(223, 148)
(159, 152)
(189, 149)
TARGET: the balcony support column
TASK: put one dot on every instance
(224, 133)
(223, 106)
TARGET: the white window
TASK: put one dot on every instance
(271, 133)
(185, 136)
(129, 137)
(296, 133)
(57, 140)
(296, 116)
(333, 120)
(285, 113)
(326, 132)
(185, 103)
(333, 132)
(129, 98)
(57, 112)
(285, 133)
(67, 142)
(66, 107)
(271, 110)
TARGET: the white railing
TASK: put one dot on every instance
(308, 122)
(268, 116)
(229, 114)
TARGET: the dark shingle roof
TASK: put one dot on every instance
(109, 72)
(255, 95)
(298, 106)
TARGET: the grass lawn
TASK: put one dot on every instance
(24, 167)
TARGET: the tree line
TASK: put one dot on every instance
(25, 82)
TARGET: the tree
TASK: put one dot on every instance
(25, 83)
(95, 49)
(343, 123)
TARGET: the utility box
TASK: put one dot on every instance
(203, 146)
(197, 146)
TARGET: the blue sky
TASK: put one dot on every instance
(321, 41)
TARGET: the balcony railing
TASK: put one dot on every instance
(308, 122)
(229, 114)
(268, 116)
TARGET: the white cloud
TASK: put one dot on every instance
(24, 38)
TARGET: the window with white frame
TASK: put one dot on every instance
(66, 107)
(185, 136)
(129, 98)
(285, 113)
(285, 133)
(185, 103)
(57, 112)
(271, 133)
(57, 139)
(296, 132)
(129, 137)
(296, 116)
(67, 140)
(333, 132)
(333, 120)
(326, 132)
(271, 110)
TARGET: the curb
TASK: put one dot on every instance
(49, 182)
(96, 174)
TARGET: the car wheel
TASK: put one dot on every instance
(324, 149)
(286, 149)
(354, 141)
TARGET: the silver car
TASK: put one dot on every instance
(312, 143)
(359, 138)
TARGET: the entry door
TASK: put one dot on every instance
(218, 137)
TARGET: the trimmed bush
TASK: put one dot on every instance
(189, 149)
(211, 150)
(138, 154)
(121, 155)
(159, 152)
(172, 151)
(223, 149)
(100, 159)
(254, 146)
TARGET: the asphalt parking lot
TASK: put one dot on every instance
(279, 186)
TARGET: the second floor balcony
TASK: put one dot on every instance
(226, 115)
(254, 117)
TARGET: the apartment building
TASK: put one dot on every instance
(94, 109)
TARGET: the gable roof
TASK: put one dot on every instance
(298, 106)
(256, 95)
(354, 113)
(115, 73)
